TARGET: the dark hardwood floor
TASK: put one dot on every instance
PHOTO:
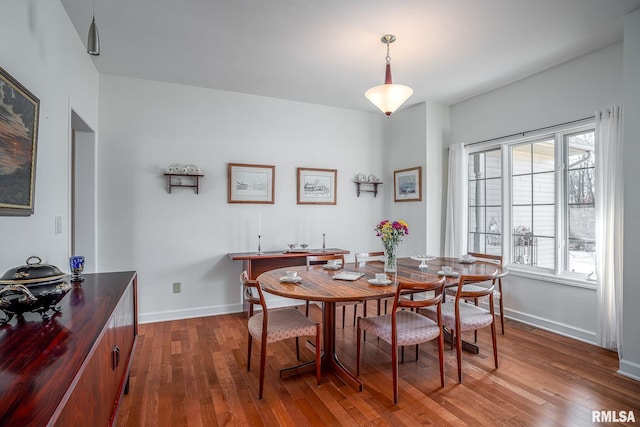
(193, 373)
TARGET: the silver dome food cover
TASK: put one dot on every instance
(33, 287)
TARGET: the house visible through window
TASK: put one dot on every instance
(545, 203)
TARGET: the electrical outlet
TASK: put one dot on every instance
(176, 287)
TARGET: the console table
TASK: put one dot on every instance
(72, 369)
(257, 264)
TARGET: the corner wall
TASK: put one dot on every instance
(184, 237)
(41, 49)
(570, 91)
(630, 361)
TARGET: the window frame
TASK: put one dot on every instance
(559, 273)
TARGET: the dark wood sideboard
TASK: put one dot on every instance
(71, 370)
(257, 264)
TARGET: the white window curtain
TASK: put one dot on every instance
(609, 226)
(455, 241)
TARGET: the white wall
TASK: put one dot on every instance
(630, 361)
(414, 137)
(183, 237)
(41, 49)
(567, 92)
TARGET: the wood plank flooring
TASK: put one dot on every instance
(193, 373)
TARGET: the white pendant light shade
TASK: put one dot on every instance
(388, 97)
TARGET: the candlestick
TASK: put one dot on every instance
(259, 249)
(323, 246)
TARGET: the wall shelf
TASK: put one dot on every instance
(183, 180)
(370, 187)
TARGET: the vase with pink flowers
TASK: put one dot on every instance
(391, 233)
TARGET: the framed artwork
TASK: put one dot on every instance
(407, 185)
(19, 111)
(251, 183)
(317, 186)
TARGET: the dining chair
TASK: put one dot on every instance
(275, 325)
(404, 327)
(364, 257)
(324, 259)
(459, 316)
(497, 293)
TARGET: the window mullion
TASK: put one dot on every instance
(560, 198)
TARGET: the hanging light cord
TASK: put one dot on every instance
(388, 58)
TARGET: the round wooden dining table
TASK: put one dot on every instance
(318, 284)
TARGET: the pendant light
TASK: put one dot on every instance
(93, 39)
(389, 96)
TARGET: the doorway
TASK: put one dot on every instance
(82, 230)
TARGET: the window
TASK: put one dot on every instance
(580, 202)
(544, 204)
(485, 202)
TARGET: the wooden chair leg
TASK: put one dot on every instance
(475, 333)
(359, 334)
(441, 356)
(495, 347)
(459, 353)
(394, 370)
(318, 354)
(344, 310)
(249, 342)
(306, 309)
(501, 306)
(355, 312)
(417, 352)
(263, 358)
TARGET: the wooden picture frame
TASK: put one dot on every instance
(316, 186)
(407, 185)
(20, 110)
(251, 183)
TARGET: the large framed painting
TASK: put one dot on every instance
(19, 110)
(317, 186)
(407, 185)
(251, 183)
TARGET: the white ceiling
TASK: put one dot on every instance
(329, 51)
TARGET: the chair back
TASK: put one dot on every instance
(496, 259)
(252, 293)
(323, 259)
(478, 292)
(362, 257)
(405, 288)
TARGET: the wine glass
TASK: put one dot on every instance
(304, 245)
(291, 246)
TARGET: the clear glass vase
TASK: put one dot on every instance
(390, 258)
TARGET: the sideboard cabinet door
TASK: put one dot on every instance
(95, 398)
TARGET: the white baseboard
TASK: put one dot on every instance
(165, 316)
(629, 369)
(553, 326)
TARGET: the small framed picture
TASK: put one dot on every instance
(317, 186)
(407, 185)
(251, 183)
